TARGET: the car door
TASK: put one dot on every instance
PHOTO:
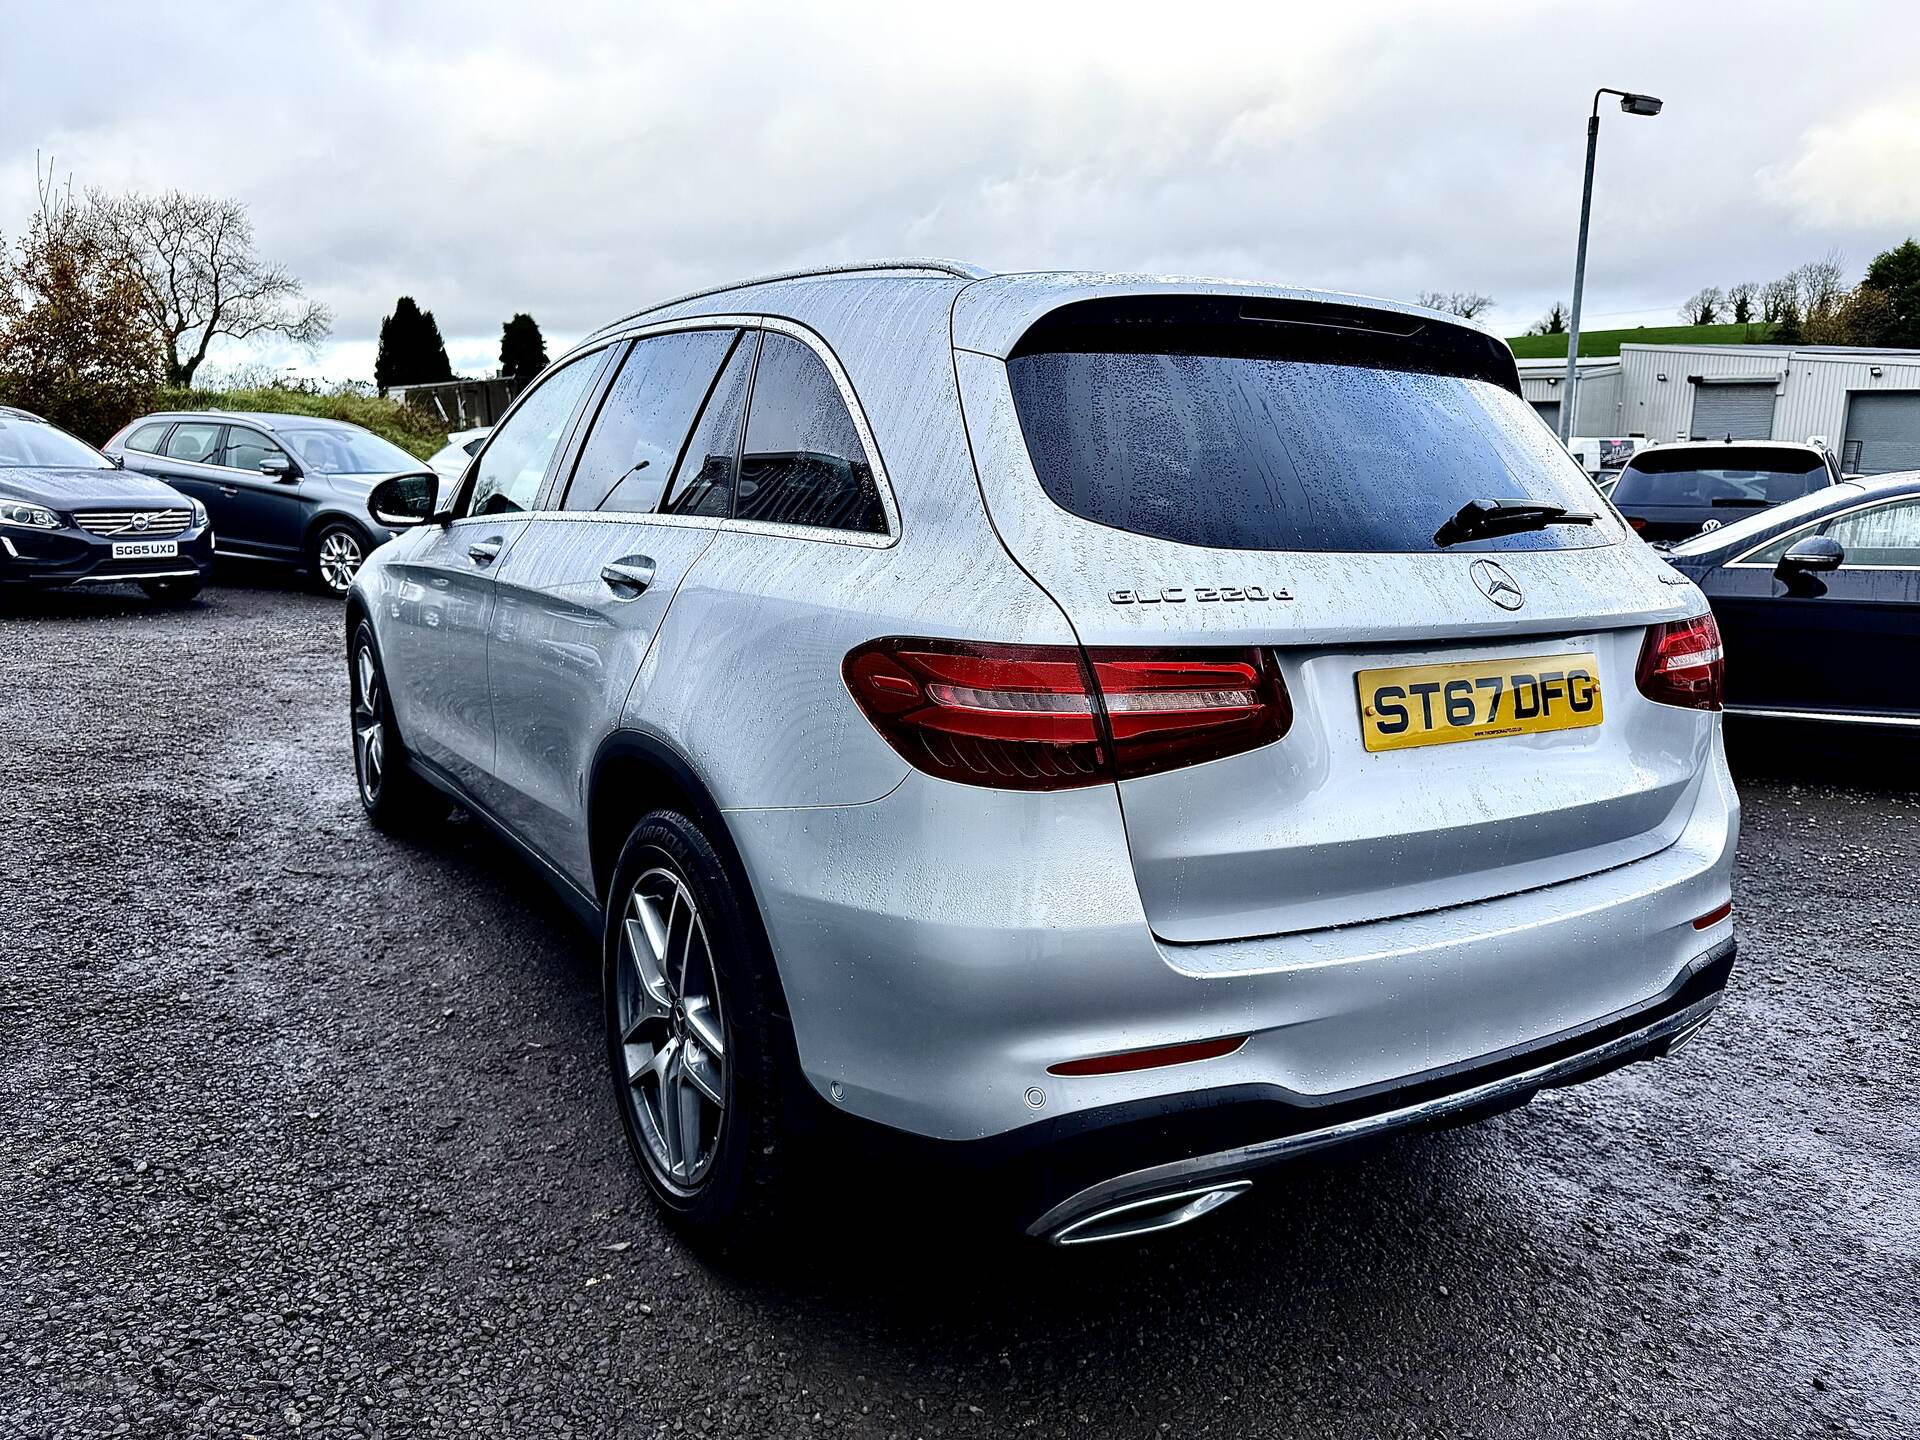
(189, 461)
(1840, 640)
(271, 508)
(433, 636)
(1868, 611)
(646, 486)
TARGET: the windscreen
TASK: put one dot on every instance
(29, 443)
(1252, 451)
(347, 452)
(1730, 476)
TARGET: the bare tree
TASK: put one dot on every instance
(200, 277)
(1467, 304)
(1779, 301)
(1554, 322)
(1703, 306)
(1819, 285)
(1741, 298)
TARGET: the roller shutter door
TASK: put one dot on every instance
(1883, 433)
(1743, 411)
(1549, 411)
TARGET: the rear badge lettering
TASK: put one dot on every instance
(1200, 594)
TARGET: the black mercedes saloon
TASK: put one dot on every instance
(70, 516)
(1819, 603)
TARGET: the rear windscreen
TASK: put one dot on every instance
(1729, 477)
(1276, 452)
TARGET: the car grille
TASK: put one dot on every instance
(134, 524)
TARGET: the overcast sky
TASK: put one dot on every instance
(577, 160)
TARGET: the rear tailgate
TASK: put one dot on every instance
(1319, 830)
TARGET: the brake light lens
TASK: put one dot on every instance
(1637, 522)
(1049, 717)
(1682, 663)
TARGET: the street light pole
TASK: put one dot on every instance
(1633, 104)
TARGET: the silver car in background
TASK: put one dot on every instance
(1112, 733)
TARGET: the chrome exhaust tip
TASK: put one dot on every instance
(1145, 1217)
(1682, 1036)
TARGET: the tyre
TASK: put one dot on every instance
(699, 1051)
(171, 592)
(395, 799)
(335, 556)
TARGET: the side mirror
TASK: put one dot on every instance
(404, 501)
(279, 467)
(1814, 555)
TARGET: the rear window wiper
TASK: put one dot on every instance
(1483, 519)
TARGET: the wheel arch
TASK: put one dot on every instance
(634, 773)
(326, 516)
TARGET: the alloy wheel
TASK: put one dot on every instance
(673, 1039)
(369, 724)
(339, 559)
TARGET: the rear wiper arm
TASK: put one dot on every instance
(1482, 519)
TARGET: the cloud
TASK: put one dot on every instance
(578, 160)
(1862, 171)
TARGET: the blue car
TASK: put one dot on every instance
(70, 516)
(290, 489)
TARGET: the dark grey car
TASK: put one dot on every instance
(287, 488)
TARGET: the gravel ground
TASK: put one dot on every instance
(304, 1131)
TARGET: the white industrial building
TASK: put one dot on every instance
(1864, 403)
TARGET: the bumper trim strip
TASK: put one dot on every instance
(1656, 1037)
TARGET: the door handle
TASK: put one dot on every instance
(629, 576)
(484, 552)
(228, 490)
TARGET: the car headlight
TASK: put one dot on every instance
(199, 512)
(32, 517)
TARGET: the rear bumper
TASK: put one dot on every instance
(943, 948)
(50, 558)
(1135, 1190)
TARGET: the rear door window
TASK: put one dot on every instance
(1258, 452)
(704, 479)
(643, 422)
(1731, 478)
(803, 463)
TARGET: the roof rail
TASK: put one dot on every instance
(959, 269)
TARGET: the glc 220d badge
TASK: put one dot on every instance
(1179, 594)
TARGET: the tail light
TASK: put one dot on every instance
(1047, 717)
(1681, 663)
(1638, 523)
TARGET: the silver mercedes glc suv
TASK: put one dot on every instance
(1112, 733)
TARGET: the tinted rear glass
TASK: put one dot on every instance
(1729, 476)
(1276, 452)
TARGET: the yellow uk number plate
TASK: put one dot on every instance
(1477, 700)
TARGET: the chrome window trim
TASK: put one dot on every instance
(883, 482)
(610, 517)
(1741, 562)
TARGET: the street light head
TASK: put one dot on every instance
(1640, 104)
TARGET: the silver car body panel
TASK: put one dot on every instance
(942, 945)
